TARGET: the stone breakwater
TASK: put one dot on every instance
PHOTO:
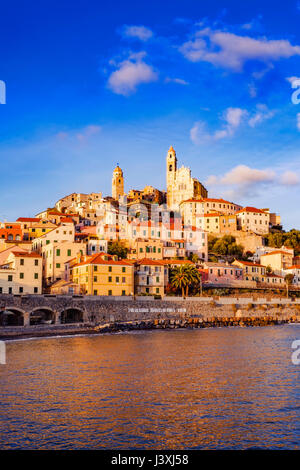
(116, 327)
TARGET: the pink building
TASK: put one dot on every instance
(221, 273)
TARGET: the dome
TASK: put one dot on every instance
(117, 169)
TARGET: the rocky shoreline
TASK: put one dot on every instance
(16, 333)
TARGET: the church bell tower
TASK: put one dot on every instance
(117, 183)
(171, 173)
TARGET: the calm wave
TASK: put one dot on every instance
(223, 388)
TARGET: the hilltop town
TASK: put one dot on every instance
(142, 241)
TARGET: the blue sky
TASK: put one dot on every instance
(89, 85)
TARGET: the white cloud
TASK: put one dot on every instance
(244, 181)
(140, 32)
(232, 118)
(82, 135)
(87, 132)
(262, 113)
(231, 51)
(180, 81)
(198, 133)
(242, 174)
(290, 178)
(131, 73)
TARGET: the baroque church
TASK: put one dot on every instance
(180, 186)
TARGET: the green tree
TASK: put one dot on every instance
(268, 269)
(225, 246)
(117, 248)
(184, 276)
(288, 282)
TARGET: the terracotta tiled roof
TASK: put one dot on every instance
(251, 209)
(177, 261)
(21, 254)
(151, 262)
(28, 219)
(277, 252)
(249, 263)
(98, 259)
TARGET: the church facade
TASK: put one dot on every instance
(180, 183)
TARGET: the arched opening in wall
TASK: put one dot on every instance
(42, 316)
(71, 315)
(11, 317)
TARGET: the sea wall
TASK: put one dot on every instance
(97, 310)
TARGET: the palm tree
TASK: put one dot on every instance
(183, 276)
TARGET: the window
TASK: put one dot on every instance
(21, 275)
(123, 270)
(21, 262)
(36, 276)
(58, 252)
(117, 279)
(109, 279)
(123, 292)
(157, 290)
(110, 292)
(20, 290)
(110, 269)
(0, 290)
(10, 290)
(95, 292)
(95, 278)
(123, 279)
(69, 252)
(36, 262)
(157, 279)
(47, 242)
(58, 265)
(95, 268)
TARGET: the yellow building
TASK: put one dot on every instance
(252, 271)
(145, 248)
(278, 260)
(180, 184)
(55, 255)
(103, 274)
(37, 229)
(21, 274)
(216, 222)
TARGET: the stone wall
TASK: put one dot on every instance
(100, 310)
